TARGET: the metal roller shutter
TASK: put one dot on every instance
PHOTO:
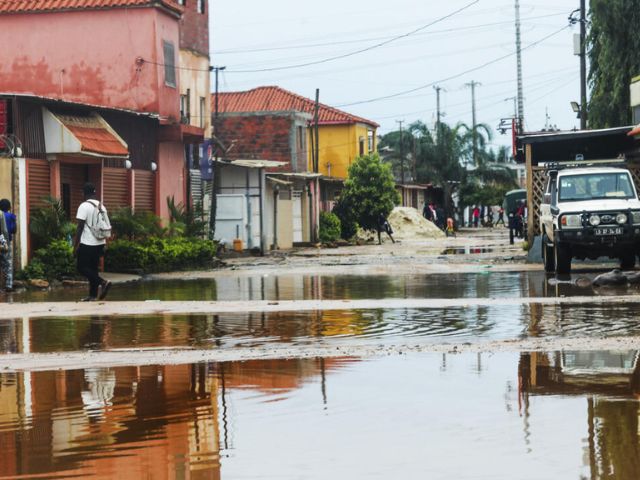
(145, 190)
(39, 182)
(116, 190)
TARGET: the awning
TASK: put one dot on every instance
(81, 133)
(253, 163)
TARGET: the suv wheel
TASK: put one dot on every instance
(628, 261)
(547, 255)
(562, 257)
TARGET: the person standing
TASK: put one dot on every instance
(500, 217)
(427, 212)
(476, 216)
(90, 242)
(9, 232)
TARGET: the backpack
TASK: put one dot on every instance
(100, 227)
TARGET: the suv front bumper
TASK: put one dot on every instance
(587, 236)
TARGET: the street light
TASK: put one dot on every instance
(575, 106)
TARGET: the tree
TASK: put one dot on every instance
(612, 42)
(369, 192)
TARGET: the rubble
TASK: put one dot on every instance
(408, 224)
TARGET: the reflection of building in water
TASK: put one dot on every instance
(157, 422)
(610, 380)
(163, 422)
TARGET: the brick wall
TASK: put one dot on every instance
(194, 27)
(265, 137)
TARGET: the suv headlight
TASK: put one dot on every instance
(571, 221)
(594, 220)
(635, 218)
(621, 219)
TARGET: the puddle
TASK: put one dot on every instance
(483, 284)
(320, 328)
(503, 416)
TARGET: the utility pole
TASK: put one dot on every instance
(213, 205)
(583, 66)
(520, 119)
(439, 114)
(474, 131)
(400, 122)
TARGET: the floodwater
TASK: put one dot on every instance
(481, 284)
(504, 416)
(320, 328)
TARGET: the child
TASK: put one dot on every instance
(7, 257)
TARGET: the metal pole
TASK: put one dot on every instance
(583, 66)
(474, 129)
(212, 208)
(519, 68)
(438, 114)
(400, 122)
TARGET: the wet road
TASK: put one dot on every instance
(482, 284)
(501, 416)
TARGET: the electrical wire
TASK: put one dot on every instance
(362, 50)
(373, 39)
(453, 77)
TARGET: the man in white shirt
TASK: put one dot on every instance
(87, 247)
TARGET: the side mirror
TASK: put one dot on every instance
(547, 198)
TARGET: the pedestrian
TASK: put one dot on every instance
(500, 217)
(91, 235)
(451, 230)
(10, 228)
(476, 216)
(427, 212)
(440, 217)
(384, 226)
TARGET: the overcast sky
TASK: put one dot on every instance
(249, 35)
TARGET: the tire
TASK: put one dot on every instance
(562, 258)
(547, 255)
(628, 261)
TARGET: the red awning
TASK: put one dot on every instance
(83, 133)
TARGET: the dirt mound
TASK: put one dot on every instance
(408, 224)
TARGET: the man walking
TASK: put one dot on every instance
(9, 230)
(90, 242)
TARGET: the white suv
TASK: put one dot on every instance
(589, 213)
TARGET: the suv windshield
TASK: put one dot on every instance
(594, 186)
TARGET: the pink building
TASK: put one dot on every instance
(93, 94)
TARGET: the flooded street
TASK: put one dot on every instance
(485, 370)
(529, 416)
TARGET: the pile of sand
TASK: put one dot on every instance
(409, 224)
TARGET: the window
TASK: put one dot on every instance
(183, 108)
(361, 146)
(301, 138)
(203, 111)
(595, 186)
(201, 5)
(370, 140)
(169, 64)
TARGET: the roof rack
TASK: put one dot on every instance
(555, 166)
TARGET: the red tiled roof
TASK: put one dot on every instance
(276, 99)
(35, 6)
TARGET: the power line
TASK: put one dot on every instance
(371, 39)
(452, 77)
(362, 50)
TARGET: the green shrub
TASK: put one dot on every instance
(348, 223)
(330, 227)
(49, 222)
(53, 262)
(135, 225)
(186, 222)
(159, 254)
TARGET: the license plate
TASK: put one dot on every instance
(609, 231)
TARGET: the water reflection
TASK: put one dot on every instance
(610, 382)
(319, 328)
(542, 415)
(152, 422)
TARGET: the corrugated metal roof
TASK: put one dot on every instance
(94, 134)
(276, 99)
(37, 6)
